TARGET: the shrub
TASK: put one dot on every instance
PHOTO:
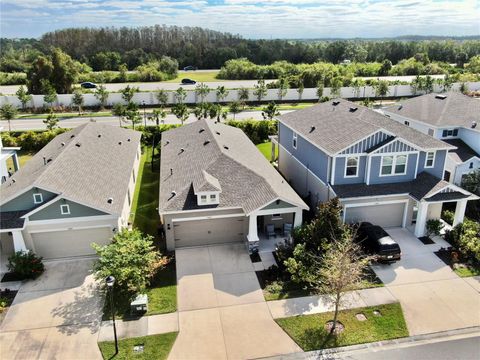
(3, 303)
(466, 238)
(26, 265)
(448, 216)
(434, 226)
(257, 131)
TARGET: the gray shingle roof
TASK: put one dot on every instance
(422, 187)
(87, 164)
(12, 220)
(462, 153)
(455, 109)
(225, 153)
(337, 126)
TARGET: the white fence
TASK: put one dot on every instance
(149, 98)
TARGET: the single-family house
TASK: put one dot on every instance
(382, 171)
(216, 187)
(77, 190)
(452, 117)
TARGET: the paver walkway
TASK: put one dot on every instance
(222, 311)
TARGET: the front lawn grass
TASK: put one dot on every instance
(198, 76)
(466, 271)
(154, 347)
(266, 149)
(309, 333)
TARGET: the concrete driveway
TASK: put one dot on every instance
(56, 316)
(222, 312)
(432, 296)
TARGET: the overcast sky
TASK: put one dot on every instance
(251, 18)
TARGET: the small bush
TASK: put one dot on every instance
(448, 216)
(434, 226)
(26, 264)
(466, 238)
(275, 287)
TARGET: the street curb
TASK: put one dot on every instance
(376, 346)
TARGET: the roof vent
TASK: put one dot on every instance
(335, 103)
(182, 150)
(218, 133)
(225, 147)
(474, 124)
(400, 107)
(44, 160)
(128, 139)
(110, 200)
(206, 142)
(167, 142)
(173, 193)
(99, 135)
(353, 109)
(201, 130)
(13, 180)
(48, 160)
(62, 143)
(441, 97)
(72, 136)
(171, 171)
(119, 143)
(312, 129)
(78, 144)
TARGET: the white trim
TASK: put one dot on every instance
(357, 158)
(35, 198)
(304, 206)
(365, 138)
(72, 219)
(277, 211)
(70, 229)
(433, 160)
(294, 140)
(454, 187)
(369, 167)
(332, 180)
(394, 165)
(406, 142)
(208, 217)
(379, 203)
(66, 211)
(48, 203)
(373, 197)
(396, 153)
(163, 213)
(416, 166)
(303, 137)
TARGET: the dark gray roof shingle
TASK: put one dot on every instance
(462, 153)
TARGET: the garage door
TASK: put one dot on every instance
(389, 215)
(58, 244)
(209, 231)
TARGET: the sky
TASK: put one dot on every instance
(250, 18)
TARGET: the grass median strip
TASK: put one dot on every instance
(309, 332)
(148, 347)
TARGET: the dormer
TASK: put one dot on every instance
(207, 189)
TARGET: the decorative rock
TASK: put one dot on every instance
(377, 313)
(361, 317)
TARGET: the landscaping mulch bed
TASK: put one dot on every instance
(460, 266)
(426, 240)
(8, 296)
(255, 257)
(11, 276)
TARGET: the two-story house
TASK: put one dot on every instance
(382, 171)
(451, 117)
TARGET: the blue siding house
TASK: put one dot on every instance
(383, 172)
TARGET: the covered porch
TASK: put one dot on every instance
(5, 170)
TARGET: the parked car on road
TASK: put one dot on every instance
(190, 68)
(188, 82)
(88, 85)
(376, 241)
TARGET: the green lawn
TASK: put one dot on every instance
(467, 271)
(155, 347)
(309, 333)
(198, 76)
(266, 150)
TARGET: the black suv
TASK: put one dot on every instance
(188, 82)
(376, 241)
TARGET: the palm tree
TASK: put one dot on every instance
(8, 112)
(222, 93)
(180, 95)
(243, 95)
(202, 90)
(101, 94)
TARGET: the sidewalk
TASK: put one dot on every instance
(319, 303)
(147, 325)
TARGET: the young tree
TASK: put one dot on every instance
(78, 100)
(23, 96)
(300, 90)
(282, 88)
(131, 258)
(162, 97)
(128, 93)
(202, 90)
(428, 84)
(132, 114)
(340, 269)
(270, 111)
(180, 110)
(122, 75)
(120, 111)
(8, 112)
(416, 84)
(356, 85)
(50, 95)
(101, 94)
(319, 91)
(243, 95)
(381, 89)
(51, 121)
(221, 93)
(158, 114)
(335, 86)
(463, 88)
(234, 108)
(260, 90)
(180, 95)
(216, 112)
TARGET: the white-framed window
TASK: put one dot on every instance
(37, 198)
(393, 165)
(430, 159)
(213, 197)
(351, 166)
(277, 217)
(294, 140)
(65, 209)
(203, 199)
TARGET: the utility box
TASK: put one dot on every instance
(139, 305)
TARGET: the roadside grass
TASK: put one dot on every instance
(154, 347)
(266, 149)
(198, 76)
(23, 157)
(309, 332)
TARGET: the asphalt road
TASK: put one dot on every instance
(34, 124)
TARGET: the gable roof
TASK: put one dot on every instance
(462, 153)
(448, 109)
(204, 153)
(88, 164)
(340, 123)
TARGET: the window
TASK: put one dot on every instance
(203, 199)
(294, 140)
(64, 209)
(430, 159)
(213, 197)
(407, 123)
(470, 166)
(277, 217)
(351, 166)
(37, 198)
(450, 132)
(393, 165)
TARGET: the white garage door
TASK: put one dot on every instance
(388, 215)
(58, 244)
(209, 231)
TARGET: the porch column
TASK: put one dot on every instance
(16, 164)
(18, 242)
(297, 218)
(459, 212)
(272, 152)
(421, 218)
(252, 228)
